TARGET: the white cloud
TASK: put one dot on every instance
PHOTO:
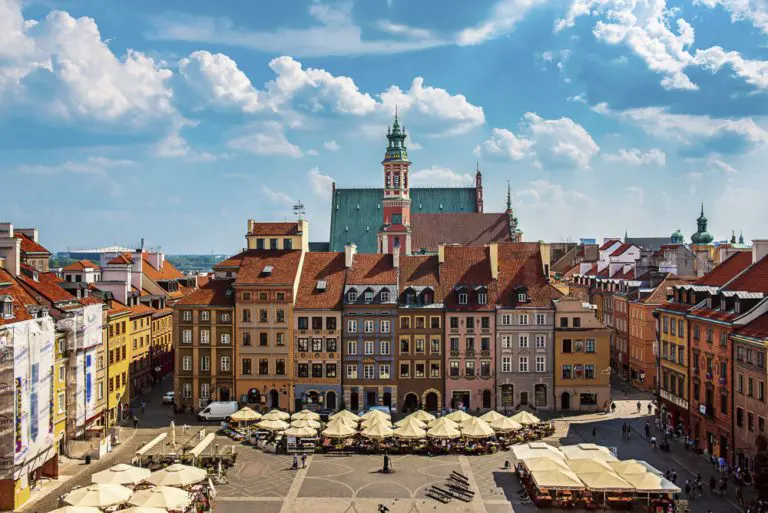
(552, 142)
(753, 72)
(88, 166)
(717, 164)
(556, 211)
(694, 176)
(504, 15)
(175, 146)
(636, 194)
(321, 184)
(219, 82)
(755, 11)
(266, 139)
(277, 198)
(440, 177)
(331, 145)
(403, 30)
(636, 157)
(414, 146)
(89, 81)
(312, 152)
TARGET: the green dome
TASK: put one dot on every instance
(677, 237)
(702, 236)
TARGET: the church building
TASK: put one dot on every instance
(405, 220)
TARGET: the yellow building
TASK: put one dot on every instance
(60, 393)
(673, 346)
(118, 361)
(161, 349)
(141, 338)
(278, 235)
(582, 357)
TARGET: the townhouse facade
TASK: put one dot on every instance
(140, 341)
(119, 357)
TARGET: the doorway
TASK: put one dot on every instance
(523, 398)
(330, 399)
(223, 394)
(486, 399)
(431, 402)
(370, 399)
(354, 401)
(411, 402)
(460, 400)
(274, 398)
(387, 399)
(565, 401)
(254, 397)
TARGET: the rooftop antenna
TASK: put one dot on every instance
(298, 210)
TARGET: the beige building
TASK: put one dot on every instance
(582, 357)
(285, 236)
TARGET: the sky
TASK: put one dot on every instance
(176, 121)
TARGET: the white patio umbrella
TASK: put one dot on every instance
(505, 425)
(370, 421)
(276, 415)
(339, 430)
(545, 464)
(347, 421)
(423, 416)
(525, 418)
(306, 415)
(411, 420)
(121, 474)
(491, 416)
(177, 475)
(143, 509)
(410, 431)
(300, 432)
(345, 414)
(378, 430)
(273, 425)
(458, 416)
(444, 430)
(245, 414)
(98, 495)
(77, 509)
(475, 428)
(375, 413)
(441, 421)
(161, 497)
(314, 424)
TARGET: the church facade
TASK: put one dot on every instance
(400, 219)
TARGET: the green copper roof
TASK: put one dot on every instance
(356, 214)
(702, 236)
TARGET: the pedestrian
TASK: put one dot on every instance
(295, 462)
(613, 407)
(594, 433)
(647, 430)
(674, 477)
(687, 488)
(638, 407)
(740, 495)
(650, 409)
(712, 485)
(143, 406)
(303, 461)
(135, 422)
(623, 431)
(653, 442)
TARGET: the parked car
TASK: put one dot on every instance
(168, 397)
(218, 410)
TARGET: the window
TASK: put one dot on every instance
(384, 296)
(470, 323)
(589, 346)
(263, 366)
(62, 371)
(405, 322)
(750, 387)
(485, 368)
(434, 369)
(303, 323)
(739, 417)
(470, 343)
(385, 326)
(317, 370)
(566, 345)
(541, 319)
(462, 298)
(454, 368)
(351, 347)
(280, 296)
(567, 374)
(330, 370)
(455, 344)
(506, 342)
(317, 345)
(226, 339)
(454, 323)
(761, 424)
(263, 339)
(368, 326)
(541, 364)
(664, 324)
(186, 363)
(740, 383)
(506, 364)
(368, 371)
(577, 322)
(248, 367)
(246, 315)
(384, 347)
(303, 345)
(205, 315)
(434, 323)
(482, 298)
(101, 390)
(352, 326)
(330, 323)
(352, 296)
(384, 371)
(405, 370)
(205, 336)
(263, 316)
(522, 297)
(186, 391)
(523, 341)
(750, 421)
(368, 347)
(280, 315)
(205, 363)
(225, 363)
(303, 370)
(469, 368)
(434, 347)
(485, 343)
(186, 336)
(761, 390)
(485, 322)
(541, 341)
(589, 371)
(523, 364)
(405, 346)
(420, 345)
(523, 319)
(563, 322)
(506, 319)
(369, 297)
(723, 404)
(187, 315)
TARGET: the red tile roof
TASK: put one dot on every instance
(755, 329)
(80, 265)
(116, 307)
(203, 279)
(754, 279)
(139, 310)
(659, 294)
(520, 266)
(727, 270)
(608, 243)
(622, 249)
(372, 269)
(213, 293)
(468, 266)
(677, 307)
(166, 273)
(285, 266)
(465, 228)
(715, 315)
(9, 286)
(46, 287)
(120, 259)
(30, 246)
(274, 229)
(328, 267)
(420, 271)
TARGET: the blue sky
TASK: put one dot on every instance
(176, 121)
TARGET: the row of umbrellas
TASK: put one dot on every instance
(108, 489)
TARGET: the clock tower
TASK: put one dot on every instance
(395, 234)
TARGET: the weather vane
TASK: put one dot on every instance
(298, 210)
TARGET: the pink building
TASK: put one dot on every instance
(468, 277)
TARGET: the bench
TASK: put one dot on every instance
(461, 489)
(452, 494)
(458, 493)
(459, 475)
(438, 495)
(459, 482)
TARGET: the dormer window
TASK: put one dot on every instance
(410, 298)
(321, 285)
(369, 297)
(385, 296)
(352, 296)
(522, 297)
(709, 302)
(482, 298)
(723, 305)
(428, 297)
(737, 306)
(463, 298)
(6, 307)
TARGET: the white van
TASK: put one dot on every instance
(218, 410)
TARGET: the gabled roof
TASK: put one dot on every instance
(520, 266)
(120, 259)
(30, 246)
(754, 279)
(47, 285)
(356, 214)
(608, 243)
(651, 243)
(468, 266)
(213, 293)
(139, 310)
(321, 267)
(727, 270)
(659, 294)
(268, 229)
(9, 286)
(284, 263)
(166, 273)
(420, 271)
(625, 246)
(80, 265)
(755, 329)
(464, 228)
(372, 269)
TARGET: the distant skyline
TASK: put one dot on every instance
(176, 122)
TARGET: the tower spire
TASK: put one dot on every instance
(626, 234)
(509, 197)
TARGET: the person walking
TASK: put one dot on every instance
(647, 430)
(594, 434)
(143, 406)
(650, 409)
(674, 477)
(135, 422)
(295, 462)
(638, 407)
(303, 461)
(613, 407)
(624, 431)
(653, 442)
(687, 488)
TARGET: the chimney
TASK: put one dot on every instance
(137, 258)
(493, 256)
(441, 254)
(759, 249)
(32, 233)
(10, 249)
(349, 254)
(396, 259)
